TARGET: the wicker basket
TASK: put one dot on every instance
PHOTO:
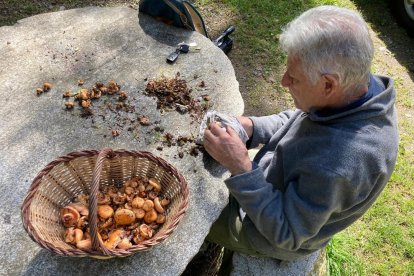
(83, 172)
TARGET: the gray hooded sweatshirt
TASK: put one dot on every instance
(316, 173)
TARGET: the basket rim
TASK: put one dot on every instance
(145, 245)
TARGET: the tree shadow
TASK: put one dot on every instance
(378, 14)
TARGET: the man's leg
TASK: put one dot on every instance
(227, 231)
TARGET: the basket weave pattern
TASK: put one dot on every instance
(83, 172)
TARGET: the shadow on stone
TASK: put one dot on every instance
(151, 27)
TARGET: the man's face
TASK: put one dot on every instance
(304, 93)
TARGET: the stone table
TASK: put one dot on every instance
(99, 45)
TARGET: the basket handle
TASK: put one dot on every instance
(93, 200)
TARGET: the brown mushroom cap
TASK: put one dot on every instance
(124, 244)
(141, 187)
(129, 190)
(81, 208)
(139, 213)
(137, 202)
(148, 205)
(105, 211)
(160, 219)
(150, 216)
(155, 183)
(103, 198)
(114, 239)
(124, 216)
(69, 216)
(145, 231)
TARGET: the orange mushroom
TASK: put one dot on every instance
(155, 184)
(114, 239)
(148, 205)
(150, 216)
(125, 244)
(145, 231)
(158, 206)
(124, 216)
(137, 202)
(84, 244)
(139, 213)
(69, 216)
(160, 219)
(80, 207)
(105, 211)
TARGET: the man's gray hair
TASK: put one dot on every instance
(330, 40)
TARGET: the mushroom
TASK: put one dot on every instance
(103, 89)
(114, 239)
(81, 208)
(125, 244)
(82, 198)
(105, 211)
(84, 244)
(139, 213)
(150, 216)
(131, 183)
(124, 216)
(106, 224)
(84, 94)
(145, 231)
(165, 201)
(137, 202)
(78, 235)
(152, 195)
(69, 105)
(70, 235)
(132, 226)
(128, 205)
(157, 206)
(103, 198)
(112, 191)
(47, 86)
(137, 238)
(148, 205)
(82, 222)
(69, 216)
(119, 199)
(160, 219)
(155, 184)
(86, 103)
(141, 187)
(129, 190)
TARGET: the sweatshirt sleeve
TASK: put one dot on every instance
(287, 220)
(264, 127)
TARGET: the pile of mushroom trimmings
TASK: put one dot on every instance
(127, 215)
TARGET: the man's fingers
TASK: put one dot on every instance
(216, 129)
(232, 132)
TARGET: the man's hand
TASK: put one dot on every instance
(227, 148)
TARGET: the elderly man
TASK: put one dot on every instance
(322, 165)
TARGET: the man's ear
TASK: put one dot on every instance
(330, 83)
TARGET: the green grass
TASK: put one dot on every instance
(341, 261)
